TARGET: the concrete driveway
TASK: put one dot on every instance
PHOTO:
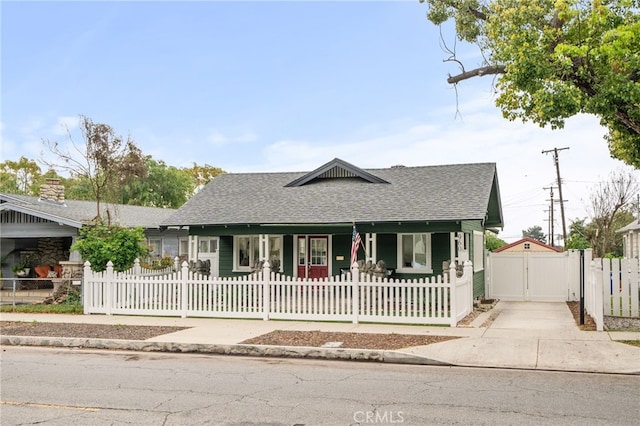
(536, 335)
(529, 316)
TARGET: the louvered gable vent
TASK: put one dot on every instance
(336, 169)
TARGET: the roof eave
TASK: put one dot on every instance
(53, 218)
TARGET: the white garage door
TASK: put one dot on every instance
(537, 277)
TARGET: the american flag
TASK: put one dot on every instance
(355, 243)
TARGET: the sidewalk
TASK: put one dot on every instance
(525, 335)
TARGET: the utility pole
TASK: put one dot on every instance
(548, 219)
(551, 219)
(556, 161)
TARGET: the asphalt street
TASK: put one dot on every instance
(74, 386)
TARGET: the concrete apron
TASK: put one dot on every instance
(553, 316)
(536, 335)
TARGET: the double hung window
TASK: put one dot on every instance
(246, 251)
(414, 253)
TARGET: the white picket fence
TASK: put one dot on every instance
(267, 295)
(612, 288)
(138, 269)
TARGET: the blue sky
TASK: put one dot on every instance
(278, 86)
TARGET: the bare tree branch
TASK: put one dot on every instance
(478, 72)
(105, 159)
(607, 199)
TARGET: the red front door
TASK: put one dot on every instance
(313, 256)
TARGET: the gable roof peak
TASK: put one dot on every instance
(527, 240)
(336, 168)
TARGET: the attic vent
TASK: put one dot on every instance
(336, 168)
(337, 172)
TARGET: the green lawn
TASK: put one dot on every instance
(62, 308)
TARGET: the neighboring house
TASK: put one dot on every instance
(44, 227)
(527, 245)
(412, 218)
(631, 240)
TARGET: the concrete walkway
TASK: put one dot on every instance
(524, 335)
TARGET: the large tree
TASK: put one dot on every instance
(202, 175)
(556, 58)
(105, 159)
(20, 177)
(164, 186)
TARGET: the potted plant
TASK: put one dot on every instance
(21, 269)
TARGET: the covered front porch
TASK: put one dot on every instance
(407, 250)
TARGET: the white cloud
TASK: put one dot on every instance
(64, 125)
(217, 138)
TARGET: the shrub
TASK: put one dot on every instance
(100, 244)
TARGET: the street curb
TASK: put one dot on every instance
(302, 352)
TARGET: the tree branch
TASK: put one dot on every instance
(478, 72)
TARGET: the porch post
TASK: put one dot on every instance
(192, 254)
(371, 246)
(263, 246)
(452, 245)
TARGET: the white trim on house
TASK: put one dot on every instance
(428, 268)
(264, 248)
(478, 251)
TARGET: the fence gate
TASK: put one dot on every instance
(535, 277)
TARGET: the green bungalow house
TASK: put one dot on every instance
(413, 218)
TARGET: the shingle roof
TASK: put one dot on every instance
(430, 193)
(635, 225)
(76, 213)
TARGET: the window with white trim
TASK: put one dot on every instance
(183, 248)
(246, 251)
(207, 245)
(155, 247)
(478, 251)
(414, 253)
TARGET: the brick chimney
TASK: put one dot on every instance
(52, 190)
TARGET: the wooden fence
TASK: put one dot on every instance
(612, 288)
(267, 295)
